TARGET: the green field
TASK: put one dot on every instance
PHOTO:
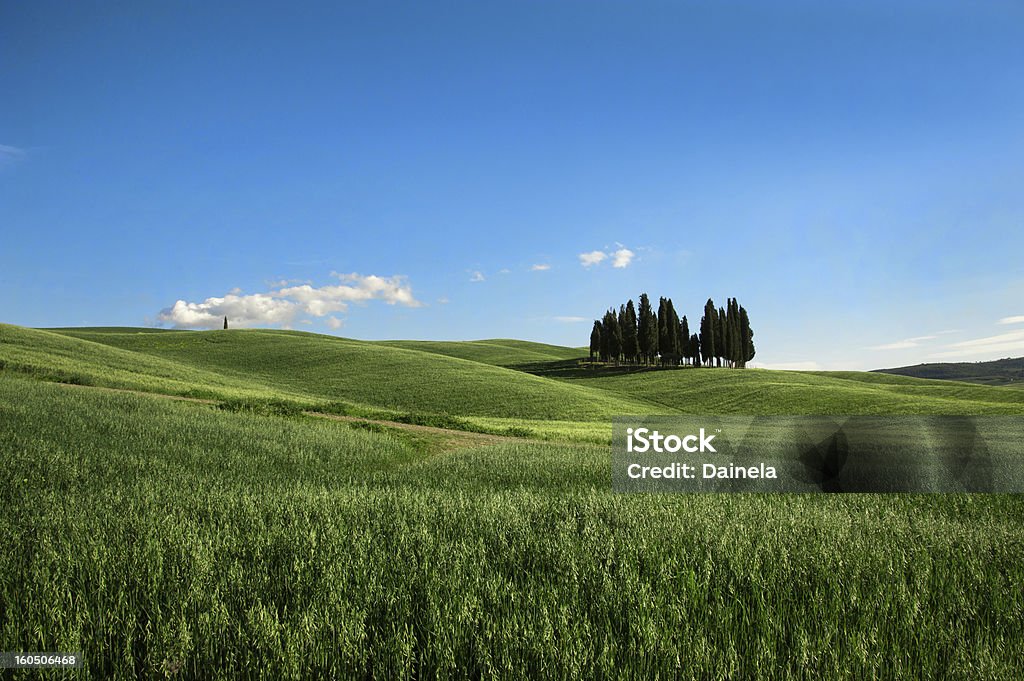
(238, 537)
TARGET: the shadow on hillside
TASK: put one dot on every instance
(575, 368)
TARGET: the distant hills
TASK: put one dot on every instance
(1007, 372)
(496, 383)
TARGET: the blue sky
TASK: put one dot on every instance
(852, 172)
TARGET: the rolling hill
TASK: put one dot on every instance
(315, 368)
(502, 352)
(165, 534)
(1007, 372)
(466, 379)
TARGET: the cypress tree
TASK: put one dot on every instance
(724, 338)
(677, 331)
(684, 339)
(225, 321)
(747, 335)
(663, 341)
(614, 334)
(707, 332)
(605, 338)
(647, 330)
(672, 332)
(595, 340)
(630, 339)
(736, 334)
(721, 337)
(623, 332)
(726, 320)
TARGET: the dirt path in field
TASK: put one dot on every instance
(446, 439)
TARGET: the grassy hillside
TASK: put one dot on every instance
(317, 367)
(1009, 371)
(499, 352)
(69, 359)
(165, 539)
(763, 392)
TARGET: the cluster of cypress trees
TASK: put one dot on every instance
(641, 336)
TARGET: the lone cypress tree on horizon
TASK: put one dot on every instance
(225, 321)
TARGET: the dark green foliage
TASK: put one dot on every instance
(746, 336)
(724, 338)
(630, 334)
(668, 333)
(623, 322)
(684, 339)
(595, 339)
(664, 342)
(708, 330)
(611, 337)
(647, 328)
(721, 337)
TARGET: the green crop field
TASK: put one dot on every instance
(239, 537)
(499, 352)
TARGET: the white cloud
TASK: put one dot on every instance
(622, 257)
(1016, 319)
(592, 258)
(903, 344)
(540, 267)
(570, 320)
(476, 276)
(281, 307)
(334, 323)
(504, 270)
(354, 288)
(443, 300)
(1003, 344)
(251, 310)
